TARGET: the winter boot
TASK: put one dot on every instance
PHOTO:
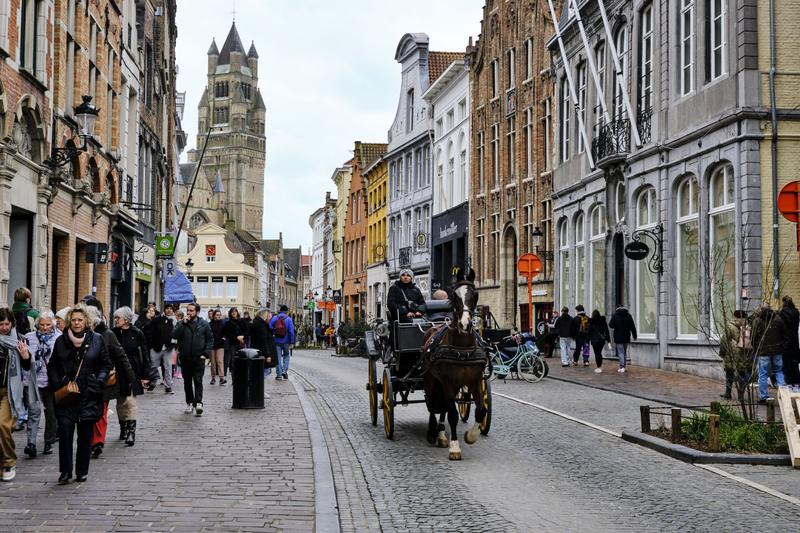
(123, 429)
(131, 439)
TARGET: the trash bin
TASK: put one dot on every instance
(248, 379)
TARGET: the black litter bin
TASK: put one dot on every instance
(248, 379)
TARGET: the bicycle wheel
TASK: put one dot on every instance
(530, 367)
(499, 368)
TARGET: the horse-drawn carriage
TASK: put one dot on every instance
(439, 355)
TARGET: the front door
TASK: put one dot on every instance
(619, 270)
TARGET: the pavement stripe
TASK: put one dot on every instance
(562, 415)
(709, 468)
(327, 509)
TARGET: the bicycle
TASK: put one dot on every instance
(526, 361)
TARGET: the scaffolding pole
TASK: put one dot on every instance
(592, 64)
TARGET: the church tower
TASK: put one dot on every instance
(231, 105)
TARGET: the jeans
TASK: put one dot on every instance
(564, 343)
(579, 344)
(283, 359)
(66, 429)
(192, 370)
(622, 353)
(163, 360)
(764, 362)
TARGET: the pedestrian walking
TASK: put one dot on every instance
(121, 366)
(40, 345)
(282, 328)
(235, 333)
(160, 341)
(24, 313)
(791, 352)
(624, 328)
(218, 352)
(319, 333)
(136, 348)
(599, 336)
(14, 357)
(176, 369)
(736, 351)
(580, 327)
(79, 355)
(769, 340)
(262, 340)
(61, 320)
(564, 328)
(194, 340)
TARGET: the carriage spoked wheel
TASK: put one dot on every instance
(486, 393)
(388, 404)
(463, 401)
(372, 388)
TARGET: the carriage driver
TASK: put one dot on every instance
(405, 301)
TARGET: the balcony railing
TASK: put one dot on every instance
(405, 257)
(613, 140)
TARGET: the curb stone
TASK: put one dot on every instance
(689, 455)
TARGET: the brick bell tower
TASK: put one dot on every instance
(232, 106)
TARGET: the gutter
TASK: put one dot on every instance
(774, 150)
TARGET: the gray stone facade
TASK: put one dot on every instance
(696, 172)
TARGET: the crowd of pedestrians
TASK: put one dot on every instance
(61, 370)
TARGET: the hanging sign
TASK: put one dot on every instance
(636, 250)
(165, 245)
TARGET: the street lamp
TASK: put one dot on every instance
(537, 235)
(86, 115)
(189, 264)
(357, 283)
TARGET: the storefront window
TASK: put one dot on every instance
(688, 258)
(563, 243)
(597, 245)
(722, 252)
(580, 267)
(646, 281)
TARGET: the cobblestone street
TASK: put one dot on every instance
(233, 470)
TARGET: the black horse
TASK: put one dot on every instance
(454, 359)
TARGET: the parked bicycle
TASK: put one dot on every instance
(518, 356)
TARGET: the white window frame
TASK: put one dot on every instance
(641, 267)
(581, 109)
(528, 59)
(564, 121)
(580, 259)
(496, 155)
(621, 44)
(600, 61)
(481, 162)
(217, 289)
(718, 39)
(495, 73)
(686, 47)
(646, 64)
(620, 202)
(692, 216)
(728, 206)
(597, 236)
(511, 60)
(563, 261)
(528, 143)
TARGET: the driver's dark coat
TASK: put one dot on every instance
(400, 296)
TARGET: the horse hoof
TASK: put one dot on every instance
(455, 456)
(442, 441)
(471, 435)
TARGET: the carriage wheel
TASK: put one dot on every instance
(372, 388)
(463, 402)
(388, 404)
(486, 392)
(530, 367)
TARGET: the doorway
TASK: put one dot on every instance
(619, 270)
(508, 258)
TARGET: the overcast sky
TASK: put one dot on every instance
(328, 77)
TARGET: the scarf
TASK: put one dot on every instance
(15, 389)
(77, 341)
(44, 349)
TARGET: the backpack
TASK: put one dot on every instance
(279, 330)
(583, 327)
(744, 337)
(23, 326)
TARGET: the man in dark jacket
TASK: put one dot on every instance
(195, 341)
(160, 337)
(563, 328)
(769, 340)
(580, 326)
(405, 301)
(624, 328)
(791, 352)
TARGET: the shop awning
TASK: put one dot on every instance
(177, 289)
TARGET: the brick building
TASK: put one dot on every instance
(355, 231)
(26, 83)
(511, 171)
(377, 183)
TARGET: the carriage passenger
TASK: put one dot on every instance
(405, 301)
(440, 316)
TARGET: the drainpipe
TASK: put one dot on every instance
(774, 114)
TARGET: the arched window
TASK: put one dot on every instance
(688, 257)
(621, 44)
(597, 243)
(600, 61)
(620, 201)
(646, 282)
(563, 262)
(580, 259)
(722, 245)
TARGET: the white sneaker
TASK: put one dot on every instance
(189, 409)
(9, 473)
(598, 370)
(621, 370)
(198, 410)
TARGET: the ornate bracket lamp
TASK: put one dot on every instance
(546, 255)
(86, 115)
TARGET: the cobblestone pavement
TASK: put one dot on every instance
(535, 471)
(229, 470)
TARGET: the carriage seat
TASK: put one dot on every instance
(438, 310)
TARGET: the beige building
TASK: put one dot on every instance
(222, 276)
(341, 177)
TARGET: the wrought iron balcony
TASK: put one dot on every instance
(405, 257)
(613, 142)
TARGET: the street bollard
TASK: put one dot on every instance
(644, 411)
(770, 409)
(713, 433)
(716, 407)
(676, 424)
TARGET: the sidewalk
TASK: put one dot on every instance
(672, 388)
(229, 470)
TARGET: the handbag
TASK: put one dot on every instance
(112, 378)
(69, 392)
